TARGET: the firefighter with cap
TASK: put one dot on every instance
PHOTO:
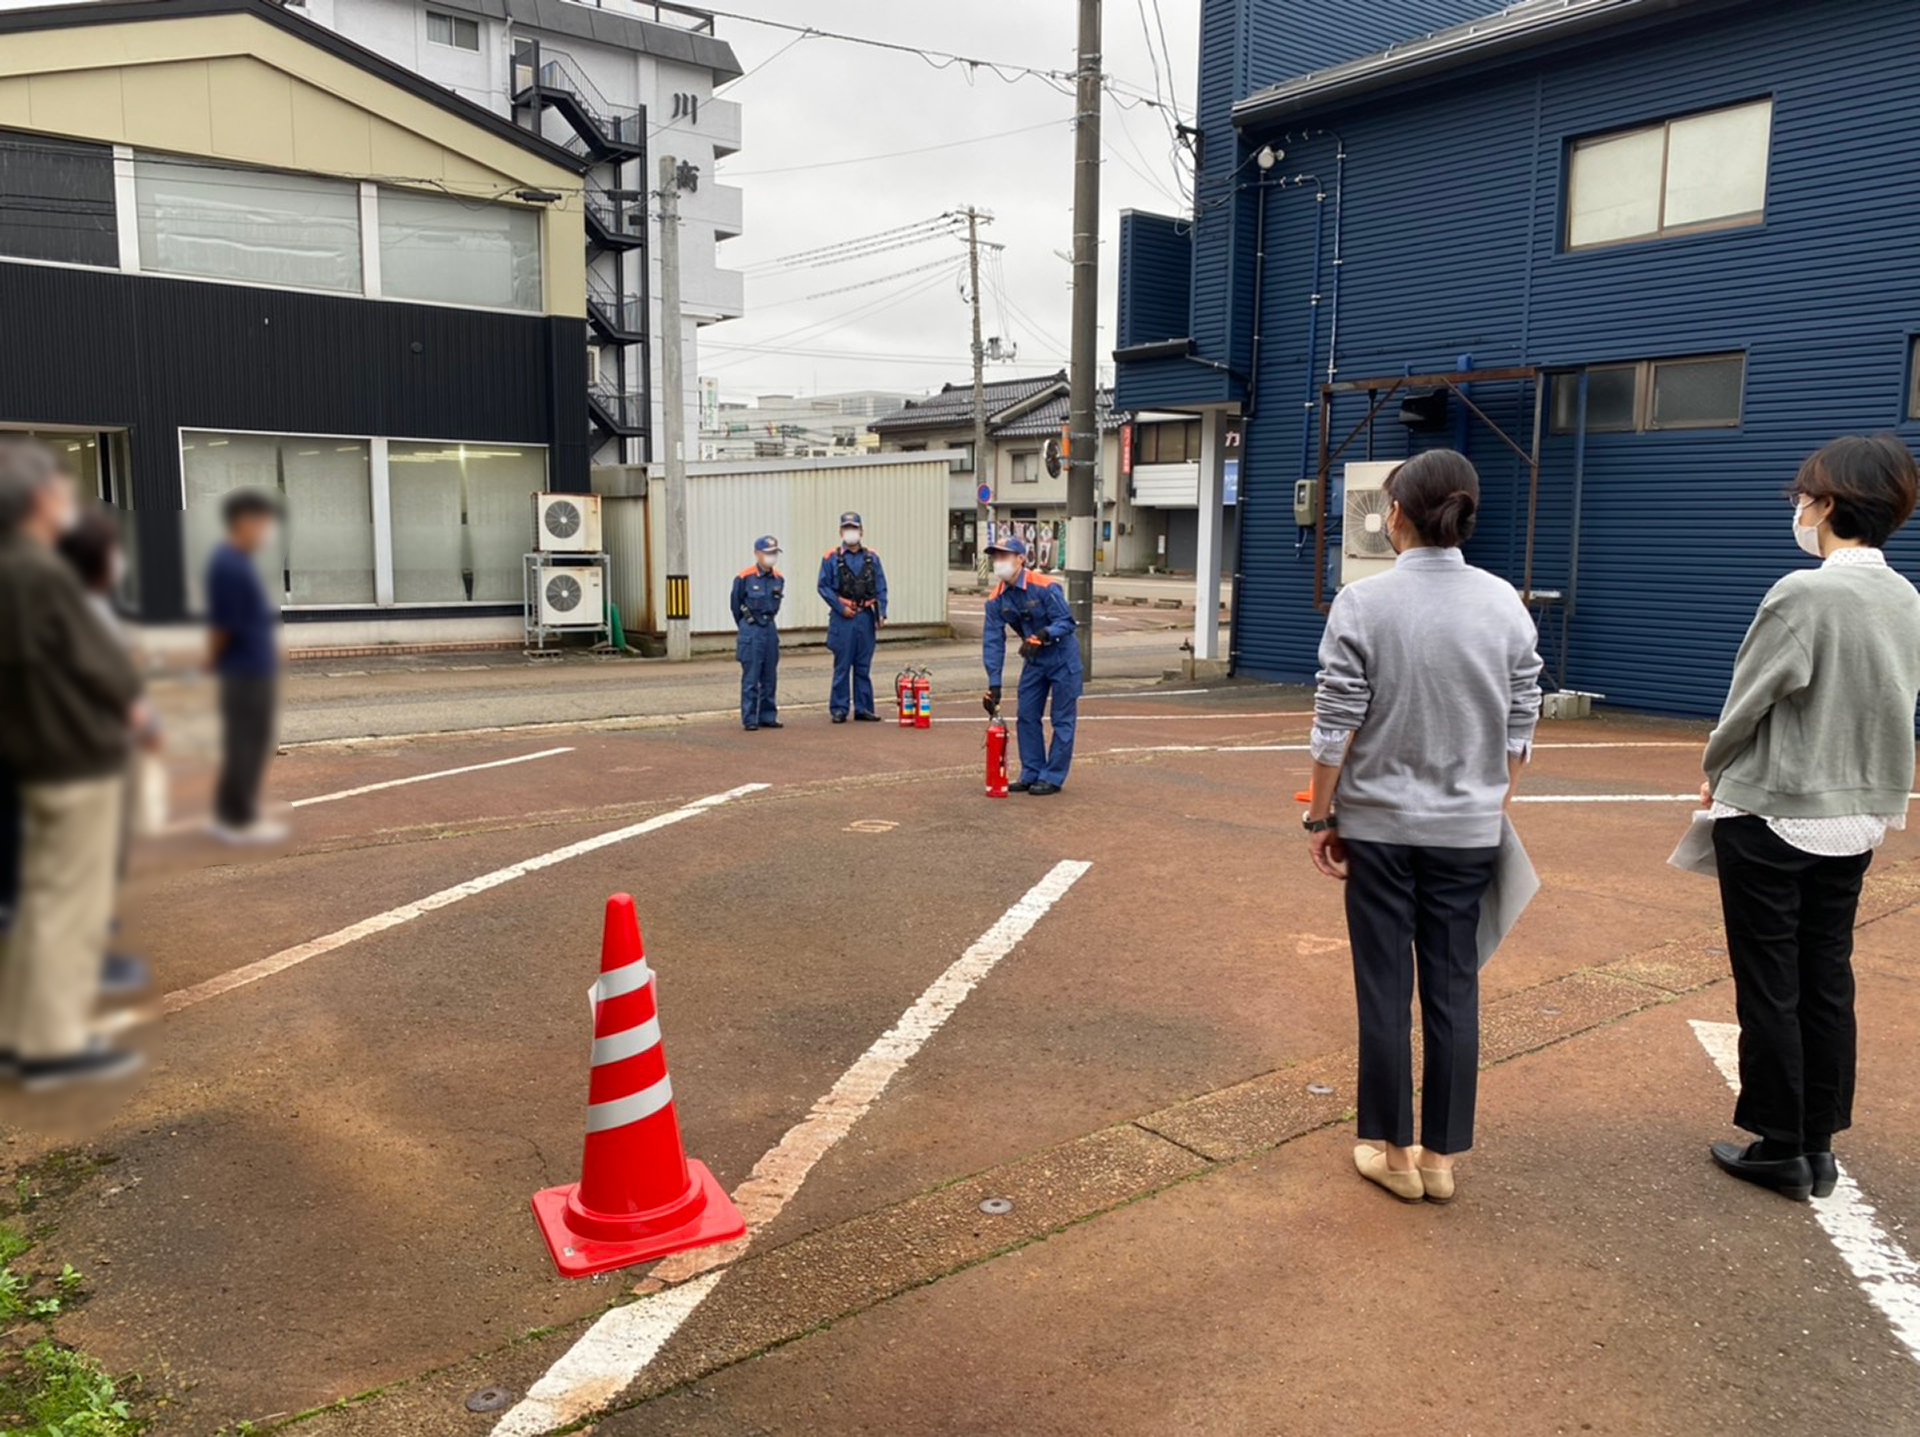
(757, 591)
(854, 587)
(1034, 606)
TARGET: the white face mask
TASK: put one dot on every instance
(766, 561)
(1005, 569)
(1807, 537)
(850, 537)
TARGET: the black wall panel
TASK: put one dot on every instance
(156, 355)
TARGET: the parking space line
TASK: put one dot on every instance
(1166, 718)
(1885, 1271)
(425, 777)
(618, 1347)
(286, 958)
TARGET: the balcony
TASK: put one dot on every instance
(615, 317)
(546, 78)
(616, 219)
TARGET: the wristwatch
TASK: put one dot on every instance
(1320, 825)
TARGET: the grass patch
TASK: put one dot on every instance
(48, 1389)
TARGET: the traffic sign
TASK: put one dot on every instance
(985, 493)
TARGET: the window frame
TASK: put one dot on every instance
(1750, 219)
(1644, 372)
(1028, 460)
(380, 489)
(1911, 409)
(454, 22)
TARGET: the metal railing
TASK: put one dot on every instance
(628, 411)
(534, 64)
(661, 12)
(621, 312)
(622, 213)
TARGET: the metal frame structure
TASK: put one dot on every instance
(537, 633)
(1379, 391)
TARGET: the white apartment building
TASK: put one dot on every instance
(779, 426)
(619, 84)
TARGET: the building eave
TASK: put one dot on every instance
(1512, 31)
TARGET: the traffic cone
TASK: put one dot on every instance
(639, 1196)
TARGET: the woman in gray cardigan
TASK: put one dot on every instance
(1429, 693)
(1809, 767)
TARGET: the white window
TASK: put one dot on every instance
(252, 226)
(455, 30)
(442, 250)
(325, 553)
(462, 519)
(1696, 392)
(1026, 467)
(1698, 172)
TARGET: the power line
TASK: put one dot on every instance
(915, 233)
(826, 326)
(897, 154)
(939, 59)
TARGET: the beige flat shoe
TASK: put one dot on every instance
(1372, 1165)
(1437, 1182)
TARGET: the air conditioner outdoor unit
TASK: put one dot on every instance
(1364, 549)
(567, 523)
(571, 596)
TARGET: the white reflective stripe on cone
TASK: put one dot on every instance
(631, 1109)
(617, 1046)
(622, 980)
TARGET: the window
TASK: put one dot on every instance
(462, 519)
(325, 555)
(447, 251)
(1698, 392)
(454, 30)
(56, 200)
(253, 226)
(1170, 443)
(1026, 466)
(1699, 172)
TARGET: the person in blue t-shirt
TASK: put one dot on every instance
(244, 651)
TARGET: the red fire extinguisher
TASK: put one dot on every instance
(996, 755)
(923, 699)
(904, 698)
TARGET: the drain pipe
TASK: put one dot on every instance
(1339, 249)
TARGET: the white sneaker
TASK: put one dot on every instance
(255, 834)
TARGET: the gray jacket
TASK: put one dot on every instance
(1432, 667)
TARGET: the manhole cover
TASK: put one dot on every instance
(490, 1399)
(1319, 1090)
(997, 1207)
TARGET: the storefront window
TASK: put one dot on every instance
(448, 251)
(462, 520)
(325, 554)
(253, 226)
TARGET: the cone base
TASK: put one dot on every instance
(714, 1219)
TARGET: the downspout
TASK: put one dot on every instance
(1339, 252)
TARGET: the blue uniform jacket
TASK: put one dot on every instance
(756, 595)
(857, 559)
(1034, 605)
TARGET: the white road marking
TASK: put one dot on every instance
(424, 777)
(1307, 748)
(1886, 1272)
(1164, 718)
(286, 958)
(618, 1347)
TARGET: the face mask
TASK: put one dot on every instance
(850, 537)
(117, 569)
(1005, 569)
(1808, 538)
(766, 561)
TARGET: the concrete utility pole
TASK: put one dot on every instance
(980, 473)
(674, 417)
(1084, 422)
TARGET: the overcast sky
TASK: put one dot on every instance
(812, 117)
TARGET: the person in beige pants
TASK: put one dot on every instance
(69, 700)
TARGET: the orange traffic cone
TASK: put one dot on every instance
(639, 1196)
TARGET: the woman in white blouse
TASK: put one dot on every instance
(1809, 767)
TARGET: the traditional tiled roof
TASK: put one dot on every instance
(952, 407)
(1051, 417)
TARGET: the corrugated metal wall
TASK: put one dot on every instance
(623, 529)
(1453, 202)
(902, 500)
(155, 355)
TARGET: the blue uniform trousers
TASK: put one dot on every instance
(758, 649)
(851, 643)
(1040, 680)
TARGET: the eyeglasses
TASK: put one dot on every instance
(1796, 500)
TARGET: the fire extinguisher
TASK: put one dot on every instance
(923, 699)
(903, 696)
(996, 755)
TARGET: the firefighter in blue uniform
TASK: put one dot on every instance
(1034, 606)
(757, 592)
(854, 587)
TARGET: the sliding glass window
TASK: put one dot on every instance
(325, 553)
(444, 250)
(56, 200)
(462, 520)
(252, 226)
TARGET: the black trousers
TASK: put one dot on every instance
(1417, 909)
(247, 730)
(1789, 919)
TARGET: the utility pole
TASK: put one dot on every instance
(674, 417)
(980, 474)
(1084, 421)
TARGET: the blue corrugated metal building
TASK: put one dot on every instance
(1705, 208)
